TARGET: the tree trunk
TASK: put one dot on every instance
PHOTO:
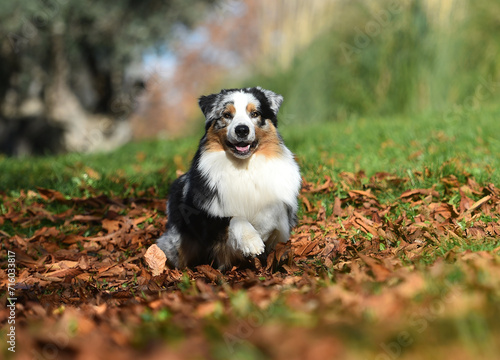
(83, 131)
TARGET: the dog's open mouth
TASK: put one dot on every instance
(242, 148)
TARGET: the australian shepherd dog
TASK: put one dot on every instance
(239, 198)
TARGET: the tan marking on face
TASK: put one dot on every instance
(269, 142)
(216, 139)
(251, 107)
(230, 108)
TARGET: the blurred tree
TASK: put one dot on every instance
(392, 57)
(65, 67)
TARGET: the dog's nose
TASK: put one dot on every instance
(242, 131)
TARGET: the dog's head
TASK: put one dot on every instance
(242, 121)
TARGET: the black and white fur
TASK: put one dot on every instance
(239, 198)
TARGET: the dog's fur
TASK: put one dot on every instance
(239, 198)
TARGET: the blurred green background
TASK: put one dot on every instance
(90, 77)
(390, 57)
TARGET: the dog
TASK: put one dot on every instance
(239, 197)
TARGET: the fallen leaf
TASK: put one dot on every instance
(48, 194)
(211, 273)
(380, 272)
(155, 258)
(424, 192)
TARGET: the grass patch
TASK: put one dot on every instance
(444, 144)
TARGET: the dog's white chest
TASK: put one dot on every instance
(247, 188)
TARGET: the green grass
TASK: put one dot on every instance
(399, 144)
(136, 166)
(446, 144)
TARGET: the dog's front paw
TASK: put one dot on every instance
(252, 245)
(243, 237)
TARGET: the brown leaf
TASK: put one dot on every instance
(478, 203)
(209, 272)
(281, 248)
(111, 226)
(319, 188)
(425, 192)
(307, 248)
(83, 262)
(492, 190)
(365, 224)
(306, 203)
(85, 218)
(441, 211)
(155, 258)
(64, 264)
(361, 193)
(63, 273)
(48, 194)
(451, 181)
(140, 220)
(465, 201)
(321, 216)
(380, 272)
(337, 207)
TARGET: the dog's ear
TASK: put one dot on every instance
(206, 104)
(275, 100)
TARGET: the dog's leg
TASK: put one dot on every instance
(170, 243)
(272, 224)
(244, 237)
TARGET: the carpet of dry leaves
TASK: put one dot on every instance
(360, 278)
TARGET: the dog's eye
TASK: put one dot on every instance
(227, 115)
(254, 114)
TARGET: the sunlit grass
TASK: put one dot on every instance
(446, 145)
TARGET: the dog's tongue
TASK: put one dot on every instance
(243, 149)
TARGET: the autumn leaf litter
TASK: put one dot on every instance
(94, 264)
